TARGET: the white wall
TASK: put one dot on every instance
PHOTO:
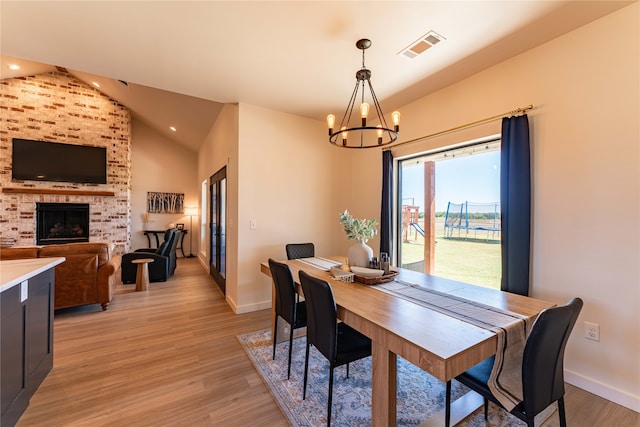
(282, 173)
(585, 136)
(158, 164)
(220, 149)
(294, 184)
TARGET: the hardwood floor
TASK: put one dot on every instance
(165, 357)
(169, 357)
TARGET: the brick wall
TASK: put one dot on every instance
(57, 107)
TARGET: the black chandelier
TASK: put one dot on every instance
(363, 136)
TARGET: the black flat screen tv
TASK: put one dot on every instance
(51, 161)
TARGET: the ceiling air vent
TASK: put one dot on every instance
(421, 45)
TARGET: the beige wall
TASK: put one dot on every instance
(158, 164)
(586, 183)
(220, 149)
(294, 185)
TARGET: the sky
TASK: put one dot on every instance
(473, 178)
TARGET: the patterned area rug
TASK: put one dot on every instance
(419, 394)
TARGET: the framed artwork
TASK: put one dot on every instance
(180, 226)
(169, 203)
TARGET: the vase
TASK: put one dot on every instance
(359, 254)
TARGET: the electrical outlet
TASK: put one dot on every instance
(592, 331)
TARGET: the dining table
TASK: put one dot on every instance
(441, 344)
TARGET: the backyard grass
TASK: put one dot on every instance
(475, 261)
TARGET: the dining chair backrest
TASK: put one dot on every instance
(542, 363)
(285, 290)
(300, 250)
(322, 315)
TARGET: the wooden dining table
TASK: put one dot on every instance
(442, 345)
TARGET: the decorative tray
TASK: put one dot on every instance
(376, 280)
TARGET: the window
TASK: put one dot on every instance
(449, 213)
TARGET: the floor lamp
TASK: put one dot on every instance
(191, 211)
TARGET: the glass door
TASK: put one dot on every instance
(449, 214)
(217, 227)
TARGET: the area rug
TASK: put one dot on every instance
(419, 394)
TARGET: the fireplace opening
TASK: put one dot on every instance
(62, 223)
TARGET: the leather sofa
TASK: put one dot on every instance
(88, 275)
(164, 260)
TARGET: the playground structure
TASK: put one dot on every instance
(409, 222)
(472, 217)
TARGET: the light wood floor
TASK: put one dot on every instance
(169, 357)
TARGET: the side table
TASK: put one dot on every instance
(142, 275)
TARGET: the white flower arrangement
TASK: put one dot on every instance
(358, 229)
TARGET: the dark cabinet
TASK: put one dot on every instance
(26, 343)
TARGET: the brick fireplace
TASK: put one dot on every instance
(57, 107)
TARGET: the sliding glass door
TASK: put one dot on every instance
(449, 214)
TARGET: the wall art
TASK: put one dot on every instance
(169, 203)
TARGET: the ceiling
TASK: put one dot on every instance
(182, 60)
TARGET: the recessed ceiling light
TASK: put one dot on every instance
(96, 84)
(14, 67)
(172, 128)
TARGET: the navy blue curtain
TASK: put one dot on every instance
(515, 202)
(386, 234)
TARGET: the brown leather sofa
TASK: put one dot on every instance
(88, 275)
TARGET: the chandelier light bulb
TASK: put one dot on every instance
(396, 120)
(379, 132)
(331, 121)
(344, 135)
(364, 112)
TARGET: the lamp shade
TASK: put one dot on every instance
(191, 210)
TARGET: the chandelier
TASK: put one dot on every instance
(359, 134)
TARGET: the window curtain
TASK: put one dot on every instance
(386, 234)
(515, 202)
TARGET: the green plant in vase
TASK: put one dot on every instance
(361, 230)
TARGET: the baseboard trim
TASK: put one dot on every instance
(605, 391)
(251, 307)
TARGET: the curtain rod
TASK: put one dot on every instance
(468, 125)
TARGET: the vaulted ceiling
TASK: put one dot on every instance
(181, 60)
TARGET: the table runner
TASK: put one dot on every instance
(320, 263)
(511, 330)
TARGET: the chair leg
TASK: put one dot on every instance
(447, 405)
(275, 336)
(290, 348)
(306, 368)
(347, 371)
(330, 396)
(486, 408)
(561, 413)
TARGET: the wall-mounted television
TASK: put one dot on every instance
(52, 161)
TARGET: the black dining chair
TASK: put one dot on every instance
(339, 343)
(542, 366)
(300, 250)
(288, 305)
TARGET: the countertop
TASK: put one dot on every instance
(16, 271)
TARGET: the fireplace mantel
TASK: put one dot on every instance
(18, 190)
